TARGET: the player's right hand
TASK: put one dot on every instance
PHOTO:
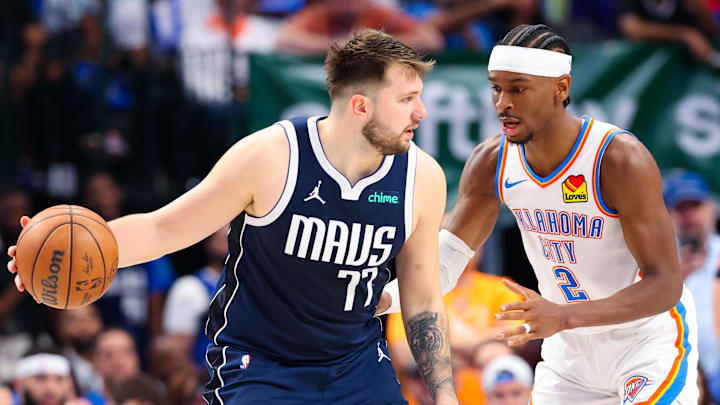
(12, 266)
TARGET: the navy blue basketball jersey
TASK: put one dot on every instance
(301, 283)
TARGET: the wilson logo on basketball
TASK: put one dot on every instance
(50, 283)
(575, 189)
(633, 385)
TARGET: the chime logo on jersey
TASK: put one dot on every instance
(633, 385)
(575, 189)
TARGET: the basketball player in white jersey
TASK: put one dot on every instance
(618, 325)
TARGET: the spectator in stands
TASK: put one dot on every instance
(694, 214)
(507, 380)
(208, 33)
(685, 21)
(138, 390)
(77, 331)
(22, 321)
(488, 350)
(116, 357)
(184, 387)
(15, 202)
(189, 298)
(470, 24)
(324, 22)
(43, 376)
(134, 301)
(168, 354)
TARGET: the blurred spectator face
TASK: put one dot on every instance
(43, 378)
(397, 111)
(103, 195)
(79, 327)
(507, 381)
(116, 357)
(694, 218)
(168, 354)
(687, 196)
(489, 351)
(511, 393)
(46, 389)
(13, 205)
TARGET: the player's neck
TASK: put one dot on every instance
(346, 148)
(551, 145)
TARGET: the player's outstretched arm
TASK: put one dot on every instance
(468, 225)
(224, 193)
(630, 183)
(423, 309)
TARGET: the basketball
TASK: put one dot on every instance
(67, 256)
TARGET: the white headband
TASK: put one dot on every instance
(532, 61)
(42, 363)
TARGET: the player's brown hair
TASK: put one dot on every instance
(365, 58)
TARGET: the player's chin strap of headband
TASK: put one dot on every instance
(42, 363)
(532, 61)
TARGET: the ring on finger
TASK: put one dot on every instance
(526, 326)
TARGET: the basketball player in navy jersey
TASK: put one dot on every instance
(318, 206)
(618, 325)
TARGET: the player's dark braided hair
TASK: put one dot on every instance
(537, 36)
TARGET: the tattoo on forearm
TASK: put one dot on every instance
(427, 336)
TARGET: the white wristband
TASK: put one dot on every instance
(454, 256)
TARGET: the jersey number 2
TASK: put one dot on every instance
(354, 281)
(569, 285)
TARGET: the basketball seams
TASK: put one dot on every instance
(59, 215)
(102, 255)
(37, 255)
(67, 299)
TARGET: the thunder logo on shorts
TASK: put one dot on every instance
(633, 386)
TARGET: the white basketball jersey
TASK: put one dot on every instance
(572, 239)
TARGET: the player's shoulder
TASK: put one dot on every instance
(624, 153)
(479, 172)
(428, 168)
(264, 147)
(484, 156)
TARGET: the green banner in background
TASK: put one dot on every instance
(668, 101)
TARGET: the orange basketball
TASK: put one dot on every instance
(67, 256)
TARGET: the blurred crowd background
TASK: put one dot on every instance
(122, 105)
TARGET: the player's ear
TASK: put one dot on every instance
(360, 106)
(562, 88)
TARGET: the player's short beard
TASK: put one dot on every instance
(523, 141)
(379, 137)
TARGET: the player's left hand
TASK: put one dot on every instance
(545, 318)
(384, 303)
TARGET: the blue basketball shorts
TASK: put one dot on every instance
(362, 378)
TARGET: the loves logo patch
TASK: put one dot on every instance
(633, 386)
(575, 189)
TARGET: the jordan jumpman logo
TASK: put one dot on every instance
(382, 355)
(315, 194)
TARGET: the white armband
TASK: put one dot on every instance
(454, 256)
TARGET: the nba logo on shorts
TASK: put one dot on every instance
(245, 361)
(633, 385)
